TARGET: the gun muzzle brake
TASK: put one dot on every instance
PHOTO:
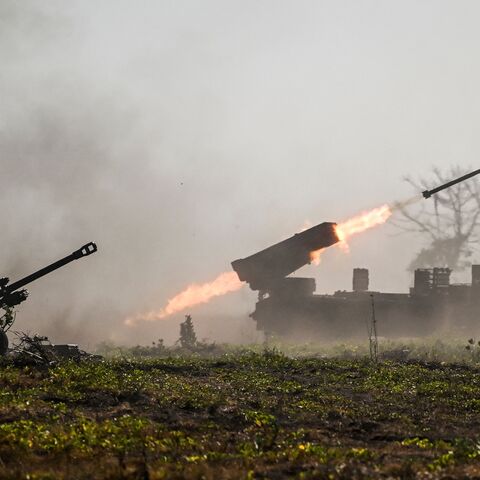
(426, 194)
(86, 250)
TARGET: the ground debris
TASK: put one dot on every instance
(38, 350)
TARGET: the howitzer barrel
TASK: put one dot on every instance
(429, 193)
(263, 269)
(84, 251)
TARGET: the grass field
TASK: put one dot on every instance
(240, 415)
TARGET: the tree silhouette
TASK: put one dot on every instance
(188, 338)
(448, 220)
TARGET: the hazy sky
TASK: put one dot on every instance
(182, 135)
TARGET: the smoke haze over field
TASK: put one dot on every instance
(182, 135)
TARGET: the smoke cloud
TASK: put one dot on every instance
(182, 135)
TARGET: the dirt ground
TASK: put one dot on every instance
(244, 415)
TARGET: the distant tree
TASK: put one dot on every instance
(448, 221)
(188, 338)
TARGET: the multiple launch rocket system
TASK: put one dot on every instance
(288, 306)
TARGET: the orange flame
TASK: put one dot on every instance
(362, 222)
(354, 225)
(194, 294)
(316, 256)
(197, 294)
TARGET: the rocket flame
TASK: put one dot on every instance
(362, 222)
(316, 256)
(197, 294)
(194, 294)
(354, 225)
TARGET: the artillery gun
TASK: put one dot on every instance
(13, 294)
(433, 191)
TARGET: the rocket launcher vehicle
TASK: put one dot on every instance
(267, 267)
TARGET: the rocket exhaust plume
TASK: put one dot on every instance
(363, 222)
(354, 225)
(196, 294)
(406, 203)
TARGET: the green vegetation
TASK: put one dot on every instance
(455, 350)
(240, 415)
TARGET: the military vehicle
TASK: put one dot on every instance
(12, 294)
(288, 306)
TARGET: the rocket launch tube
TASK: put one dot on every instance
(264, 268)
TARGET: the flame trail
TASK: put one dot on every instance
(226, 282)
(194, 294)
(355, 225)
(363, 222)
(316, 256)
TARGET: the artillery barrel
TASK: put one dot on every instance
(429, 193)
(86, 250)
